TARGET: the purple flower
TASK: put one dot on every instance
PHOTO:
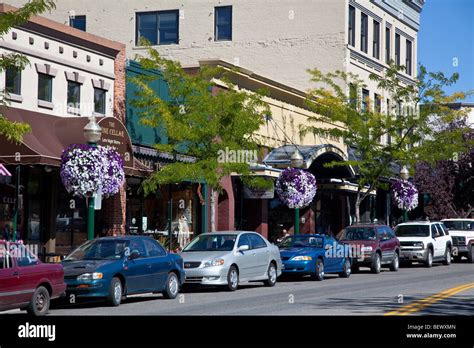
(296, 187)
(86, 169)
(405, 195)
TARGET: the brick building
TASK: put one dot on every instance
(72, 75)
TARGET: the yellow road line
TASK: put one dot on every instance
(417, 306)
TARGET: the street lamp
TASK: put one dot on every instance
(404, 175)
(92, 134)
(297, 161)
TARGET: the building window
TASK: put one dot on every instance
(353, 96)
(409, 53)
(387, 45)
(351, 30)
(99, 100)
(13, 81)
(397, 49)
(364, 28)
(376, 40)
(78, 22)
(378, 103)
(389, 111)
(223, 23)
(365, 100)
(45, 87)
(158, 28)
(73, 94)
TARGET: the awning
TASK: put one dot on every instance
(50, 135)
(4, 171)
(281, 157)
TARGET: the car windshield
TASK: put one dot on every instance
(217, 242)
(412, 231)
(360, 233)
(302, 241)
(460, 225)
(99, 250)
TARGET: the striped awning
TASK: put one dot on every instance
(4, 171)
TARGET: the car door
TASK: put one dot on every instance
(10, 285)
(245, 259)
(445, 238)
(139, 270)
(437, 241)
(332, 260)
(160, 263)
(261, 255)
(386, 243)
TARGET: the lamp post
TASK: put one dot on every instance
(297, 161)
(92, 134)
(404, 175)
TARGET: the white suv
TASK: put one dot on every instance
(462, 232)
(424, 241)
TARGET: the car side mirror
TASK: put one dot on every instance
(243, 248)
(134, 255)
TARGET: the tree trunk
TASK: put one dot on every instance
(357, 207)
(213, 209)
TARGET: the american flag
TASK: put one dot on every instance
(4, 171)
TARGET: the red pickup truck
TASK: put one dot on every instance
(26, 282)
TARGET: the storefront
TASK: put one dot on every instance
(47, 214)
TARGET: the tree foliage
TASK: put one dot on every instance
(449, 183)
(14, 131)
(365, 125)
(205, 116)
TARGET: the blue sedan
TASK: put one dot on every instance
(113, 267)
(314, 255)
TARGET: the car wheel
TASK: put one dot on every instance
(172, 286)
(232, 279)
(40, 302)
(395, 264)
(115, 292)
(319, 271)
(376, 265)
(470, 254)
(346, 271)
(429, 259)
(272, 275)
(447, 257)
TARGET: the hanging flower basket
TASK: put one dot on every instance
(405, 195)
(296, 187)
(86, 169)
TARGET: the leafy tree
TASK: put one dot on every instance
(14, 131)
(450, 182)
(203, 119)
(405, 134)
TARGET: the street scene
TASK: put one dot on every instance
(236, 158)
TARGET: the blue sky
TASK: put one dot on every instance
(446, 37)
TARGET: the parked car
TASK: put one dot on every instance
(26, 282)
(230, 258)
(314, 255)
(113, 267)
(462, 233)
(424, 241)
(375, 244)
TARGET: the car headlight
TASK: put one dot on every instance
(214, 263)
(90, 276)
(366, 248)
(419, 245)
(302, 258)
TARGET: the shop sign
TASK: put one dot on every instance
(256, 193)
(115, 135)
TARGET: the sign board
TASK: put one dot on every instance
(115, 135)
(256, 193)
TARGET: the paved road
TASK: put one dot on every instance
(362, 294)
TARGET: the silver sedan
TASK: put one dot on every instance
(230, 258)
